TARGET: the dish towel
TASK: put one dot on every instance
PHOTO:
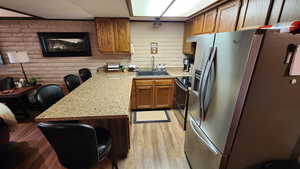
(8, 117)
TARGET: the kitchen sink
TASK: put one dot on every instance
(152, 73)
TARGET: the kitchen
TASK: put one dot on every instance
(188, 104)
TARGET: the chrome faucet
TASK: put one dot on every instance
(153, 63)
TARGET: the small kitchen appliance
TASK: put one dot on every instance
(187, 64)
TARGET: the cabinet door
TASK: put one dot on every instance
(210, 21)
(105, 35)
(133, 97)
(227, 16)
(198, 25)
(285, 11)
(122, 35)
(144, 97)
(254, 13)
(187, 46)
(163, 96)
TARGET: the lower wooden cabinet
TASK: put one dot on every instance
(144, 97)
(163, 96)
(152, 94)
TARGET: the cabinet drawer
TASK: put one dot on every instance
(144, 82)
(164, 82)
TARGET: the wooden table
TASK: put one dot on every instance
(18, 94)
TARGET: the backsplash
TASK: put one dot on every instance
(169, 37)
(21, 35)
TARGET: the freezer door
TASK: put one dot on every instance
(204, 43)
(203, 50)
(222, 84)
(200, 153)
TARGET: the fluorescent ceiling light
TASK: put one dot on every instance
(149, 7)
(184, 8)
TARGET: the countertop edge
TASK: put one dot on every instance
(82, 118)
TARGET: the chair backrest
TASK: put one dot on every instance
(75, 144)
(85, 74)
(48, 95)
(7, 83)
(72, 81)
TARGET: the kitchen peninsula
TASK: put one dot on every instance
(102, 101)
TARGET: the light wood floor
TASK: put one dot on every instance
(153, 146)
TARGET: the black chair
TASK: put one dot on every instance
(7, 83)
(47, 95)
(72, 81)
(78, 146)
(85, 74)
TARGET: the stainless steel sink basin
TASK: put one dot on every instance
(152, 73)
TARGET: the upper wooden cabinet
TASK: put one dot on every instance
(122, 35)
(113, 35)
(210, 21)
(285, 11)
(228, 16)
(188, 47)
(254, 13)
(197, 26)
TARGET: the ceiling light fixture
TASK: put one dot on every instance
(168, 8)
(149, 7)
(180, 8)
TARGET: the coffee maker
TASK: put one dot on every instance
(187, 64)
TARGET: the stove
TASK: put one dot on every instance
(182, 98)
(186, 81)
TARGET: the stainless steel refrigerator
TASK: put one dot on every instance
(244, 106)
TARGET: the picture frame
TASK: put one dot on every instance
(63, 44)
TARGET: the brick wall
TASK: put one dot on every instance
(22, 36)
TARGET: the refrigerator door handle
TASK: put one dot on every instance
(204, 81)
(201, 82)
(203, 138)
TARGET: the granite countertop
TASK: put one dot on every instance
(105, 95)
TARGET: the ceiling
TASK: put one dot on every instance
(178, 10)
(69, 9)
(7, 13)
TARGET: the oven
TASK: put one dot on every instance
(181, 99)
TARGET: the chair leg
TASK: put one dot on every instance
(114, 164)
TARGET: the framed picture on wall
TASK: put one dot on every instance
(56, 44)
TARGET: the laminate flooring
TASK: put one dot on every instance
(153, 146)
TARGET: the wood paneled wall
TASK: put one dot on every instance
(21, 35)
